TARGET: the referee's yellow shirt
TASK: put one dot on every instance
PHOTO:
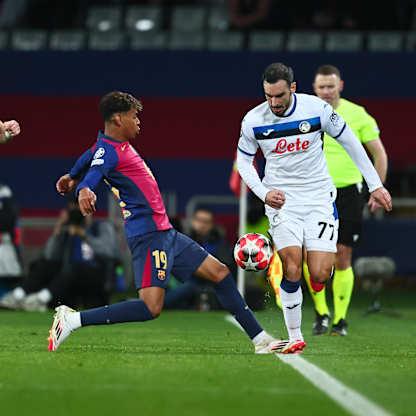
(341, 167)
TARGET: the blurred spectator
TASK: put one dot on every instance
(9, 258)
(77, 266)
(210, 236)
(197, 292)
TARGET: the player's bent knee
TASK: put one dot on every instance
(155, 308)
(223, 272)
(219, 272)
(293, 272)
(320, 276)
(155, 311)
(212, 269)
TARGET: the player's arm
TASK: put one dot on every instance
(103, 161)
(337, 128)
(246, 151)
(369, 134)
(379, 156)
(67, 183)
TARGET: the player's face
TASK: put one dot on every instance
(328, 87)
(279, 96)
(130, 123)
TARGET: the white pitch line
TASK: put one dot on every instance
(347, 398)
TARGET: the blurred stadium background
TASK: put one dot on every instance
(197, 68)
(197, 73)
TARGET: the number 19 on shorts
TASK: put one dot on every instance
(160, 259)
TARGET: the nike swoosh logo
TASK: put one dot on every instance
(266, 133)
(293, 306)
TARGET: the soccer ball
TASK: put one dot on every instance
(253, 252)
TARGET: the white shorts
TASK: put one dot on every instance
(314, 227)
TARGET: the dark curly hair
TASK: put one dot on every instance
(118, 102)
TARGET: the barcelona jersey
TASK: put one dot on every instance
(129, 178)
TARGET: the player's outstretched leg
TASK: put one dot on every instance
(231, 299)
(67, 320)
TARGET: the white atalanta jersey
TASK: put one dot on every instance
(293, 147)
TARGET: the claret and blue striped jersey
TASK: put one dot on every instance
(131, 181)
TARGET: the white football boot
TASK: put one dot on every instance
(270, 345)
(61, 327)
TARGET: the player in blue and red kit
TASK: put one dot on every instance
(157, 248)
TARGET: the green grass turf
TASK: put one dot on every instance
(190, 363)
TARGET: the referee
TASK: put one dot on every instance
(350, 201)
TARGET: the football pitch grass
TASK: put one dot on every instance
(196, 363)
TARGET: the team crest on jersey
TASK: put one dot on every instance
(335, 119)
(99, 153)
(304, 126)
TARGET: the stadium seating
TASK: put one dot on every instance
(410, 41)
(67, 40)
(344, 41)
(304, 41)
(266, 41)
(148, 40)
(225, 41)
(195, 27)
(143, 18)
(218, 19)
(106, 41)
(4, 39)
(186, 41)
(385, 41)
(104, 18)
(188, 19)
(29, 40)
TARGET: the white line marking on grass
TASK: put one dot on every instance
(347, 398)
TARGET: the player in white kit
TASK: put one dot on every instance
(297, 190)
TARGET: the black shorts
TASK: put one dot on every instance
(350, 203)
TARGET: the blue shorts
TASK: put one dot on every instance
(159, 254)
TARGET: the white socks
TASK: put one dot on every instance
(292, 311)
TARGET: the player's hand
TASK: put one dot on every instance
(2, 132)
(373, 205)
(86, 201)
(12, 127)
(65, 184)
(382, 197)
(275, 198)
